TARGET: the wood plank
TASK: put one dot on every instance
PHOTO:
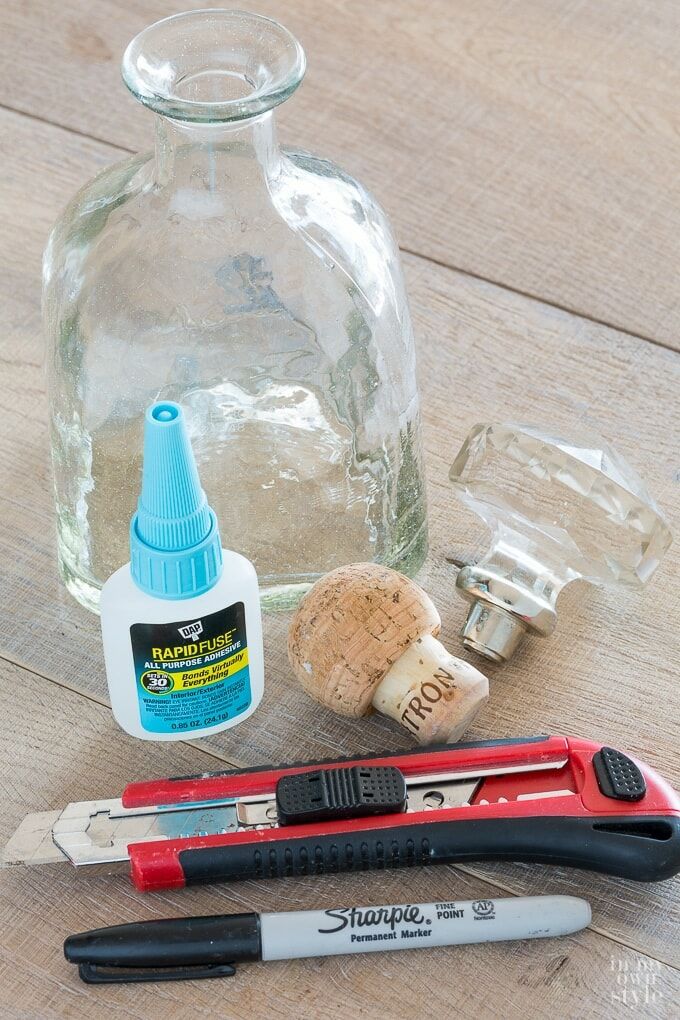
(612, 661)
(77, 752)
(532, 144)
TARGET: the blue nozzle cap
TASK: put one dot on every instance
(175, 547)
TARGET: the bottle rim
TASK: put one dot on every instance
(213, 65)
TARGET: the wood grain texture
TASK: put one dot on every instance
(535, 144)
(75, 751)
(484, 353)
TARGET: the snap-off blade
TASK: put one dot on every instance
(99, 832)
(32, 843)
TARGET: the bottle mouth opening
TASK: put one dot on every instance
(164, 412)
(213, 65)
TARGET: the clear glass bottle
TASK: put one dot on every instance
(259, 287)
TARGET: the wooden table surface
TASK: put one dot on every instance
(528, 155)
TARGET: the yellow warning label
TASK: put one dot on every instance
(211, 674)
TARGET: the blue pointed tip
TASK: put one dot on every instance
(173, 512)
(174, 528)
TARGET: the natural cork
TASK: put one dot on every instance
(364, 638)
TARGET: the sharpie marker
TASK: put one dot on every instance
(198, 947)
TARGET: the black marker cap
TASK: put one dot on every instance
(185, 947)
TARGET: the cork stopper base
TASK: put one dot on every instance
(432, 694)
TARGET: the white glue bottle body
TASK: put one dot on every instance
(181, 623)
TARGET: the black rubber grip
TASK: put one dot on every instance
(646, 848)
(350, 792)
(462, 746)
(617, 776)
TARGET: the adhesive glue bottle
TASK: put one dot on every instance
(181, 621)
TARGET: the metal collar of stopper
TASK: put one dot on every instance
(502, 612)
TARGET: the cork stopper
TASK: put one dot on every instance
(349, 630)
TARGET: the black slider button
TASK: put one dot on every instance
(617, 776)
(350, 792)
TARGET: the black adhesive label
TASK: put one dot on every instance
(193, 673)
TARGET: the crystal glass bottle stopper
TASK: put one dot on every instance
(559, 509)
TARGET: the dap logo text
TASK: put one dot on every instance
(192, 630)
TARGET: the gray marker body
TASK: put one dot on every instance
(289, 936)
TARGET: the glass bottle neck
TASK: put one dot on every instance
(217, 157)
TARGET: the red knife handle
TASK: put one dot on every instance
(645, 848)
(436, 758)
(615, 815)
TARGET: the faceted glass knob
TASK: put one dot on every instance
(559, 509)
